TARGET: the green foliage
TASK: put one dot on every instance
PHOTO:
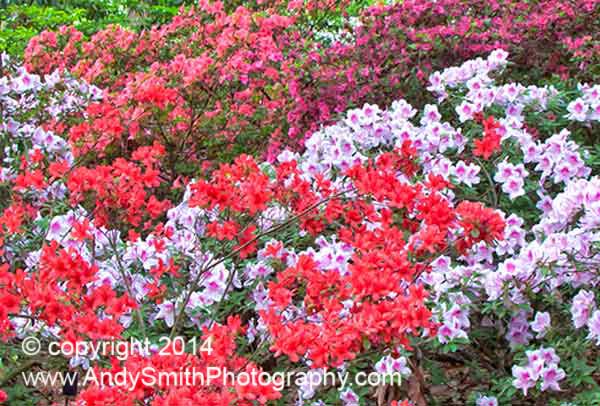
(21, 20)
(20, 23)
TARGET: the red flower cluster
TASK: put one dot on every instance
(178, 390)
(490, 143)
(57, 294)
(478, 223)
(120, 192)
(240, 187)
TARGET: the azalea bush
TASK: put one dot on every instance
(23, 20)
(225, 78)
(461, 236)
(326, 190)
(392, 49)
(181, 276)
(210, 84)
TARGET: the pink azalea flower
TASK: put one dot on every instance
(541, 323)
(551, 375)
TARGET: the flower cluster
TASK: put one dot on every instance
(584, 313)
(541, 365)
(512, 178)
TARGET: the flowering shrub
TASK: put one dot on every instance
(503, 288)
(213, 79)
(394, 48)
(231, 79)
(443, 236)
(182, 274)
(398, 241)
